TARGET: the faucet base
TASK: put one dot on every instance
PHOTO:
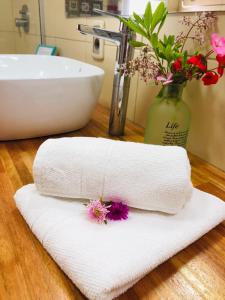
(116, 133)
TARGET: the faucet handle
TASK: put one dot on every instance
(24, 10)
(107, 13)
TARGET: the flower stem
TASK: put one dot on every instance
(209, 53)
(188, 33)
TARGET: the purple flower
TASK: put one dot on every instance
(117, 211)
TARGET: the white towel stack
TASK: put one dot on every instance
(104, 261)
(145, 176)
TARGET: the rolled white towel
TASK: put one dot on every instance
(144, 176)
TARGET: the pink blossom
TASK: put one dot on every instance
(218, 44)
(97, 211)
(166, 79)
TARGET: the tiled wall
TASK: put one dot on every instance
(12, 39)
(27, 43)
(7, 35)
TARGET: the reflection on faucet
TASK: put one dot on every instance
(121, 84)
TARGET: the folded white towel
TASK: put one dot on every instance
(104, 261)
(145, 176)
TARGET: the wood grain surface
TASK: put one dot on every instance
(27, 272)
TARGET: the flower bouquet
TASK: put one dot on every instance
(112, 210)
(165, 60)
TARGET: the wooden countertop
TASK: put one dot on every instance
(27, 272)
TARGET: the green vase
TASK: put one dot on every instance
(169, 117)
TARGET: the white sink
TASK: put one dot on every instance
(45, 95)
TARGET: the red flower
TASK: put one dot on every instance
(197, 60)
(210, 78)
(177, 65)
(221, 60)
(220, 70)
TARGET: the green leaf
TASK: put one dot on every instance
(185, 57)
(158, 15)
(161, 45)
(168, 51)
(163, 21)
(162, 55)
(148, 16)
(135, 27)
(171, 39)
(138, 19)
(136, 44)
(165, 39)
(154, 40)
(123, 20)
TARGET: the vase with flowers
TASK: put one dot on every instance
(164, 60)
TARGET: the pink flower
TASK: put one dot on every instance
(97, 211)
(218, 44)
(165, 79)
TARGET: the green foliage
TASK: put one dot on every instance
(167, 49)
(135, 26)
(136, 44)
(158, 16)
(148, 17)
(149, 26)
(165, 55)
(146, 25)
(185, 58)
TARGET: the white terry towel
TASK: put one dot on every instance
(144, 176)
(104, 261)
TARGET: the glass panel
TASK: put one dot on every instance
(19, 27)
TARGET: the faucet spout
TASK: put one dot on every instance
(112, 36)
(121, 83)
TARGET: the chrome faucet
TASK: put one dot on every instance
(24, 21)
(121, 84)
